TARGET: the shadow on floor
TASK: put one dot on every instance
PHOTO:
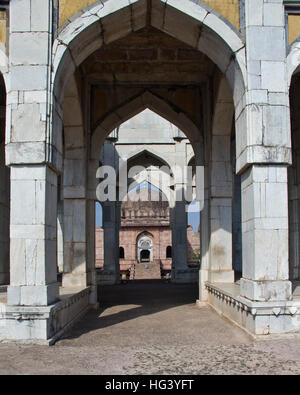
(133, 300)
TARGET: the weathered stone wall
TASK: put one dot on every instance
(162, 238)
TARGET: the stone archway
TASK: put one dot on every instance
(37, 156)
(144, 249)
(77, 35)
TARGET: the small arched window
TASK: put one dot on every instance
(169, 252)
(121, 253)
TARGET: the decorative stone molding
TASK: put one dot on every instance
(259, 318)
(47, 323)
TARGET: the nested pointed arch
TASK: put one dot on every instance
(144, 233)
(153, 156)
(165, 192)
(191, 22)
(147, 100)
(137, 158)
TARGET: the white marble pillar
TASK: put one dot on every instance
(74, 243)
(265, 234)
(178, 216)
(33, 258)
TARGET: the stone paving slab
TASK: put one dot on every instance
(153, 328)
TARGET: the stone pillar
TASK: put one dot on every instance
(75, 190)
(262, 117)
(33, 236)
(220, 246)
(74, 243)
(219, 184)
(29, 150)
(111, 226)
(263, 154)
(178, 217)
(265, 234)
(179, 241)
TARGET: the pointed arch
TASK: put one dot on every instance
(162, 189)
(144, 233)
(96, 25)
(138, 152)
(129, 109)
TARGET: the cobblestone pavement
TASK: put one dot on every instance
(153, 329)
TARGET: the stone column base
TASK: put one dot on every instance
(220, 276)
(42, 324)
(266, 291)
(32, 295)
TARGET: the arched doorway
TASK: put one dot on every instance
(114, 60)
(144, 249)
(131, 97)
(155, 146)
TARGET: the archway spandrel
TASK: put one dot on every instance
(196, 18)
(229, 9)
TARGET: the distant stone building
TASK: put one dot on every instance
(146, 237)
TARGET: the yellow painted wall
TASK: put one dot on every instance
(2, 27)
(294, 27)
(68, 8)
(230, 9)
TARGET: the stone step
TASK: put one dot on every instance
(152, 272)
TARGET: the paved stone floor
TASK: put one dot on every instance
(153, 328)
